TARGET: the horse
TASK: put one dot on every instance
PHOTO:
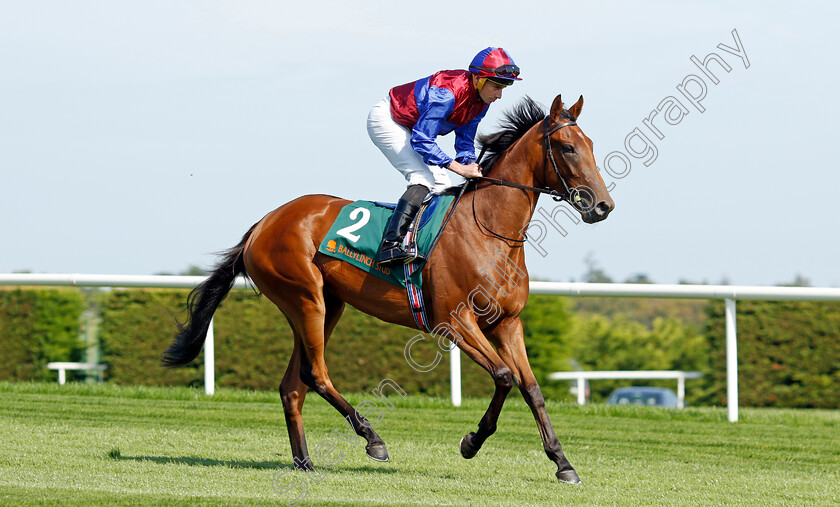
(532, 153)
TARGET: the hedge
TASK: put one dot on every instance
(136, 327)
(38, 326)
(253, 344)
(788, 353)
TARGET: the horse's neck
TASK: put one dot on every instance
(506, 210)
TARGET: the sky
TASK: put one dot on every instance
(141, 137)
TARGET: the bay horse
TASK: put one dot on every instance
(533, 153)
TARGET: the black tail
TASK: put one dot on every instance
(202, 304)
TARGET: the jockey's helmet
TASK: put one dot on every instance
(496, 65)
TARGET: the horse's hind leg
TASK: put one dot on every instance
(293, 390)
(315, 322)
(293, 393)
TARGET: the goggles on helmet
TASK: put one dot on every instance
(505, 71)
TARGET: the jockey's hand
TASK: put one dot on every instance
(467, 171)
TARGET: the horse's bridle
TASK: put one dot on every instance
(570, 195)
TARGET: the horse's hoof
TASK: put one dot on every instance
(467, 450)
(377, 452)
(304, 465)
(568, 476)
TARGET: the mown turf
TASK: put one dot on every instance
(111, 445)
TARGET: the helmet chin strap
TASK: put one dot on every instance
(479, 82)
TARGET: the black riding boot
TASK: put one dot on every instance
(391, 251)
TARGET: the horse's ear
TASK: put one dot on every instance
(575, 109)
(556, 109)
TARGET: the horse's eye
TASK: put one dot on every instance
(568, 148)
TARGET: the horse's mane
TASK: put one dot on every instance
(513, 125)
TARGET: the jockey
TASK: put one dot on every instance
(405, 124)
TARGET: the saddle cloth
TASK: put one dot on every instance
(357, 232)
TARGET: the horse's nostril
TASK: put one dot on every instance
(602, 208)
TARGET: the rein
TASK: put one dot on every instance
(571, 195)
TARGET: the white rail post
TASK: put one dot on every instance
(61, 377)
(581, 394)
(731, 362)
(209, 362)
(455, 374)
(681, 391)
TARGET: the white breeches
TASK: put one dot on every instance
(394, 141)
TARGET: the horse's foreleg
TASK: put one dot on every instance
(511, 346)
(476, 346)
(534, 398)
(472, 442)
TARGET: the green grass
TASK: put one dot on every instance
(85, 445)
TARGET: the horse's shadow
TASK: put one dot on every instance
(257, 465)
(208, 462)
(367, 468)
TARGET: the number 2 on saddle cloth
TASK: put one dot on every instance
(357, 232)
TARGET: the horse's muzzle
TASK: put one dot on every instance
(598, 212)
